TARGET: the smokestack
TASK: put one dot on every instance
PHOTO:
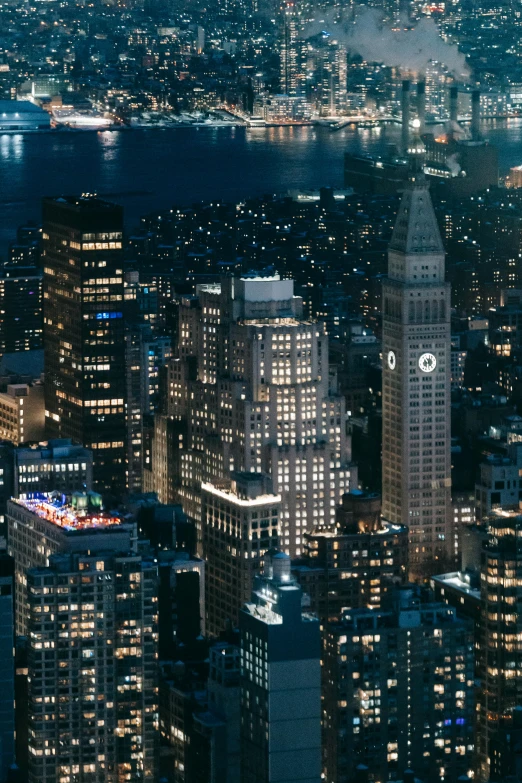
(475, 115)
(405, 107)
(421, 106)
(454, 103)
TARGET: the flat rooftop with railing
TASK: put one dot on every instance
(64, 514)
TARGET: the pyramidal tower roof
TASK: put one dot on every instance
(416, 231)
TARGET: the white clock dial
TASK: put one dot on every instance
(427, 362)
(392, 360)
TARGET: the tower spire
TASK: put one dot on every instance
(416, 230)
(416, 374)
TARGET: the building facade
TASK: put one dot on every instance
(22, 413)
(21, 324)
(280, 682)
(240, 525)
(262, 401)
(83, 331)
(7, 669)
(360, 564)
(416, 376)
(398, 694)
(499, 484)
(45, 525)
(290, 48)
(501, 677)
(92, 669)
(53, 465)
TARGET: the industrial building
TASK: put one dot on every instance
(22, 116)
(458, 159)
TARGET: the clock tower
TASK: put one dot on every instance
(416, 376)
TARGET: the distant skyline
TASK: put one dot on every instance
(195, 165)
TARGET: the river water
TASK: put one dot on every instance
(153, 169)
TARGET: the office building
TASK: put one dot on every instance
(240, 525)
(83, 331)
(146, 354)
(224, 702)
(181, 600)
(21, 321)
(22, 413)
(501, 580)
(499, 483)
(505, 747)
(182, 698)
(7, 669)
(53, 465)
(398, 693)
(290, 49)
(92, 669)
(199, 717)
(44, 467)
(416, 375)
(162, 465)
(461, 590)
(146, 358)
(263, 401)
(463, 509)
(457, 364)
(360, 564)
(6, 486)
(332, 78)
(166, 527)
(280, 681)
(48, 524)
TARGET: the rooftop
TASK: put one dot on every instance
(261, 500)
(85, 203)
(20, 107)
(386, 528)
(458, 581)
(57, 510)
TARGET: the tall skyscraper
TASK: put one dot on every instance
(263, 401)
(280, 682)
(333, 75)
(499, 653)
(290, 53)
(416, 374)
(83, 330)
(92, 669)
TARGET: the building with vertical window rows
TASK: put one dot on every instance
(84, 331)
(416, 380)
(251, 380)
(398, 693)
(92, 669)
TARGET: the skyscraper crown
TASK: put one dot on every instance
(416, 230)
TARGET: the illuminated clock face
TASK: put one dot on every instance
(427, 362)
(392, 360)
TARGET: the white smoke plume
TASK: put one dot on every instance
(458, 131)
(410, 49)
(453, 165)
